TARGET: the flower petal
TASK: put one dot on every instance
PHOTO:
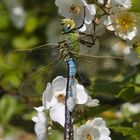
(98, 122)
(90, 12)
(125, 3)
(108, 22)
(92, 102)
(132, 58)
(105, 138)
(83, 28)
(104, 131)
(42, 117)
(59, 84)
(40, 131)
(63, 3)
(57, 113)
(35, 119)
(132, 34)
(40, 108)
(48, 97)
(81, 94)
(53, 102)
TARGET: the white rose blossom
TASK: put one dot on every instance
(93, 130)
(123, 23)
(75, 10)
(40, 123)
(124, 3)
(128, 109)
(131, 56)
(54, 98)
(117, 3)
(126, 49)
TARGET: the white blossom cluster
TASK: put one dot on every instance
(54, 101)
(128, 109)
(113, 15)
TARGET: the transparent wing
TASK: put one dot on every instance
(35, 66)
(103, 69)
(21, 58)
(35, 83)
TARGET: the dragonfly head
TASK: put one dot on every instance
(67, 25)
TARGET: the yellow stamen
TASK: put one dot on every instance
(75, 9)
(89, 137)
(124, 21)
(61, 98)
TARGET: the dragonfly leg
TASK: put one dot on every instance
(87, 43)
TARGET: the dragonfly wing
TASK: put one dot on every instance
(35, 83)
(35, 56)
(104, 68)
(35, 67)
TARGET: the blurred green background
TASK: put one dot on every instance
(27, 24)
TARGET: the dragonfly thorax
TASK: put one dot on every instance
(65, 50)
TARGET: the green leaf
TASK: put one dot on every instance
(31, 24)
(137, 79)
(127, 131)
(127, 93)
(23, 42)
(135, 6)
(8, 108)
(11, 80)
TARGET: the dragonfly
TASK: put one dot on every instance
(103, 65)
(66, 51)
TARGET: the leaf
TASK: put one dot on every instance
(137, 79)
(127, 93)
(135, 6)
(31, 24)
(127, 131)
(11, 80)
(24, 42)
(9, 106)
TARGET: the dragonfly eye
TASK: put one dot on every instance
(67, 25)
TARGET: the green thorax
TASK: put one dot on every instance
(69, 40)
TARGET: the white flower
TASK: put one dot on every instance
(125, 3)
(101, 1)
(74, 9)
(132, 57)
(130, 53)
(128, 110)
(91, 102)
(17, 13)
(93, 130)
(54, 98)
(40, 123)
(118, 47)
(123, 23)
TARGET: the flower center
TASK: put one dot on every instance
(61, 98)
(74, 9)
(124, 22)
(89, 137)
